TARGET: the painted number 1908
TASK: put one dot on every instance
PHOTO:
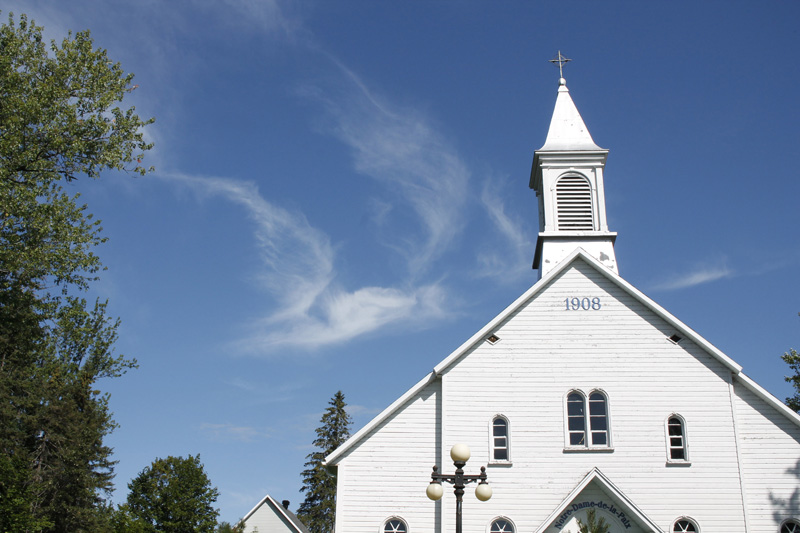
(582, 304)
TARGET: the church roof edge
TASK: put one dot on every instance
(730, 364)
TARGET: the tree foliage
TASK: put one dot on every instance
(593, 524)
(792, 358)
(58, 122)
(318, 510)
(227, 527)
(174, 495)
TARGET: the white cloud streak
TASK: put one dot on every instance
(400, 148)
(502, 262)
(230, 432)
(701, 274)
(299, 272)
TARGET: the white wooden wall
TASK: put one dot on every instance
(267, 520)
(386, 475)
(545, 351)
(770, 462)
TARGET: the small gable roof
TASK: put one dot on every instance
(627, 507)
(294, 522)
(577, 255)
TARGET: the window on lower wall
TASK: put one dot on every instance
(790, 526)
(587, 420)
(501, 525)
(499, 440)
(395, 525)
(685, 525)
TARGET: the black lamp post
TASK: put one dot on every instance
(460, 455)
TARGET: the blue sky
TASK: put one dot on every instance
(341, 198)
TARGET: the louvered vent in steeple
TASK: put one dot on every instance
(574, 204)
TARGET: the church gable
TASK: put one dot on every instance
(582, 339)
(610, 506)
(581, 324)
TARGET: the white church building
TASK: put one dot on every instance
(582, 394)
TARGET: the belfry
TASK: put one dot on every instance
(567, 174)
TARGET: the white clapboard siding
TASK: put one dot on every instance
(268, 516)
(385, 475)
(544, 351)
(770, 450)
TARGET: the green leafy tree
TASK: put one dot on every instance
(58, 121)
(318, 510)
(792, 358)
(174, 495)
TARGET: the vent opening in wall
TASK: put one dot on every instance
(574, 203)
(675, 338)
(492, 338)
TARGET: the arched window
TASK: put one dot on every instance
(598, 419)
(576, 419)
(790, 526)
(587, 420)
(395, 525)
(676, 440)
(574, 203)
(684, 525)
(499, 442)
(501, 525)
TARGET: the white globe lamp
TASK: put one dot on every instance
(460, 452)
(483, 492)
(434, 491)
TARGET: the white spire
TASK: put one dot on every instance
(567, 174)
(567, 129)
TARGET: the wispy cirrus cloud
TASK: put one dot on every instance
(504, 260)
(702, 273)
(231, 432)
(402, 149)
(298, 259)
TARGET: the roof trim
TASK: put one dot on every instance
(579, 253)
(337, 454)
(596, 475)
(765, 395)
(295, 522)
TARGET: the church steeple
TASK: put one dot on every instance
(567, 175)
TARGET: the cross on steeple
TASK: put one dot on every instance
(561, 60)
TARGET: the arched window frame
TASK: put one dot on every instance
(676, 529)
(592, 431)
(387, 526)
(493, 443)
(671, 445)
(561, 203)
(791, 525)
(491, 529)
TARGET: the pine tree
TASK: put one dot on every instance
(593, 524)
(318, 510)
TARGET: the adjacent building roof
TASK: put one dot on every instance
(289, 518)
